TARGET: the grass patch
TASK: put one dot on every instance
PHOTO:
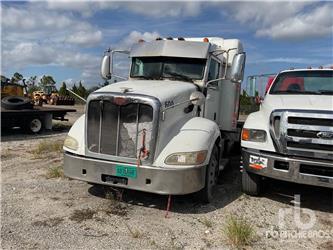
(61, 127)
(6, 154)
(55, 172)
(52, 222)
(207, 222)
(82, 215)
(45, 147)
(134, 232)
(238, 231)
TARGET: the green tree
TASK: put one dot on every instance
(47, 80)
(74, 89)
(63, 90)
(81, 90)
(16, 78)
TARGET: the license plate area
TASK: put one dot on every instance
(114, 179)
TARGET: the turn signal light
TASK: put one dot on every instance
(245, 134)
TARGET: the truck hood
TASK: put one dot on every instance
(303, 102)
(164, 90)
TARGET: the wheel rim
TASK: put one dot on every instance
(35, 125)
(212, 174)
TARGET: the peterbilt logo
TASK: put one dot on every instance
(325, 135)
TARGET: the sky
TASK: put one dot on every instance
(66, 39)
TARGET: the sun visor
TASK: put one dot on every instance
(171, 48)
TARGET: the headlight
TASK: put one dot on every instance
(255, 135)
(187, 158)
(71, 143)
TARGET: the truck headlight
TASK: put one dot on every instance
(255, 135)
(187, 158)
(71, 143)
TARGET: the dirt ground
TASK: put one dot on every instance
(42, 210)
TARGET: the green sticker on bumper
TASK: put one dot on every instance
(126, 171)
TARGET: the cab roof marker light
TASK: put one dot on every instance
(169, 38)
(206, 40)
(141, 41)
(159, 38)
(181, 39)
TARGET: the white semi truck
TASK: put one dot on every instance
(291, 137)
(166, 129)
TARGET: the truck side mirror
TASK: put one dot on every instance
(106, 67)
(197, 98)
(237, 68)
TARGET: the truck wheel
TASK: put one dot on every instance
(251, 183)
(34, 125)
(206, 195)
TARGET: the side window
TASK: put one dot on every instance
(214, 70)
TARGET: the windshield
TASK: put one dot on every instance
(187, 69)
(304, 82)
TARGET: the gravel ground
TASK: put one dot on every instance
(58, 213)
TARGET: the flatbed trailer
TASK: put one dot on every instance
(33, 120)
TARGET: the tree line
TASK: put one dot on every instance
(33, 83)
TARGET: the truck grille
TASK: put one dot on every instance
(116, 126)
(303, 133)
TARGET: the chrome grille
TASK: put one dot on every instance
(303, 133)
(115, 125)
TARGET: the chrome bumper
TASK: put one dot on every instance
(148, 179)
(299, 170)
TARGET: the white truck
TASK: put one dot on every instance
(291, 137)
(166, 129)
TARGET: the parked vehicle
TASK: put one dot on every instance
(291, 137)
(167, 128)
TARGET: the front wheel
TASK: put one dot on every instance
(251, 183)
(212, 173)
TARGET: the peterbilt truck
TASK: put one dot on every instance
(291, 137)
(168, 127)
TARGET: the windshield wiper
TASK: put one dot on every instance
(179, 76)
(325, 91)
(294, 91)
(148, 77)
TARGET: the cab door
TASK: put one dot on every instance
(213, 90)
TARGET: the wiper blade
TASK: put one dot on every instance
(296, 92)
(326, 91)
(180, 76)
(148, 77)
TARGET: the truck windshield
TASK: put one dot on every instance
(311, 82)
(186, 69)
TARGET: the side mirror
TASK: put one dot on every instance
(197, 98)
(237, 68)
(106, 67)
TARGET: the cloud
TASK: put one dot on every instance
(295, 21)
(85, 38)
(134, 36)
(316, 23)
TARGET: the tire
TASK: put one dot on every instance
(206, 195)
(16, 103)
(251, 183)
(34, 125)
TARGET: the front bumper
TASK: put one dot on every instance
(299, 170)
(149, 179)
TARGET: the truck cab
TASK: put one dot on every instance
(164, 129)
(291, 137)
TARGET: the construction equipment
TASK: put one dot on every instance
(50, 95)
